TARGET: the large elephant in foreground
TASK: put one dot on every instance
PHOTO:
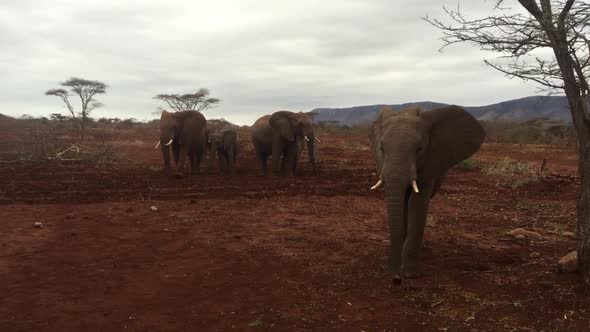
(282, 135)
(185, 133)
(414, 150)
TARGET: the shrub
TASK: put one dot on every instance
(469, 164)
(535, 131)
(512, 173)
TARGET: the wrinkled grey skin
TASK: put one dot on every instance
(416, 145)
(187, 130)
(224, 144)
(282, 135)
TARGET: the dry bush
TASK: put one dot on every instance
(43, 140)
(512, 174)
(361, 129)
(354, 144)
(535, 131)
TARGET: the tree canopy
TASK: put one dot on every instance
(197, 101)
(85, 90)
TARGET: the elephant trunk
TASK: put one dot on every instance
(395, 195)
(311, 154)
(166, 155)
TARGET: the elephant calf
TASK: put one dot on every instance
(224, 143)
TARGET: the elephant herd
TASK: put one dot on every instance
(281, 135)
(413, 151)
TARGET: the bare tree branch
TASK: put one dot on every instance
(519, 40)
(64, 96)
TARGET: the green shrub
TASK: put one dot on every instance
(469, 164)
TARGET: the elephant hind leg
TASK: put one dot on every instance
(290, 159)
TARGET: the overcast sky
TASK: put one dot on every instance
(258, 56)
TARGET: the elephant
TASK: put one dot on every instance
(185, 132)
(282, 135)
(224, 143)
(413, 150)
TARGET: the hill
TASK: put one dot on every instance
(523, 109)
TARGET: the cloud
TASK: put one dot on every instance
(258, 56)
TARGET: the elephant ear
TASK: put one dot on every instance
(282, 123)
(455, 135)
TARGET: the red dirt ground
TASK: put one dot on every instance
(279, 254)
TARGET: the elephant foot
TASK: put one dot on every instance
(412, 271)
(178, 175)
(395, 273)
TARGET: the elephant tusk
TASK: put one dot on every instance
(169, 142)
(307, 139)
(317, 139)
(157, 145)
(377, 185)
(415, 186)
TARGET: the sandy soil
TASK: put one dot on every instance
(280, 254)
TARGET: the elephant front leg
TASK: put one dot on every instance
(196, 163)
(175, 151)
(262, 162)
(166, 157)
(277, 152)
(180, 166)
(220, 158)
(231, 163)
(417, 214)
(291, 158)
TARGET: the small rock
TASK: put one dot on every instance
(569, 234)
(520, 233)
(38, 224)
(534, 255)
(568, 263)
(69, 216)
(520, 237)
(154, 208)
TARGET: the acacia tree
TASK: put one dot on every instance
(197, 101)
(85, 90)
(521, 38)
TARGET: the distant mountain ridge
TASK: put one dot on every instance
(523, 109)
